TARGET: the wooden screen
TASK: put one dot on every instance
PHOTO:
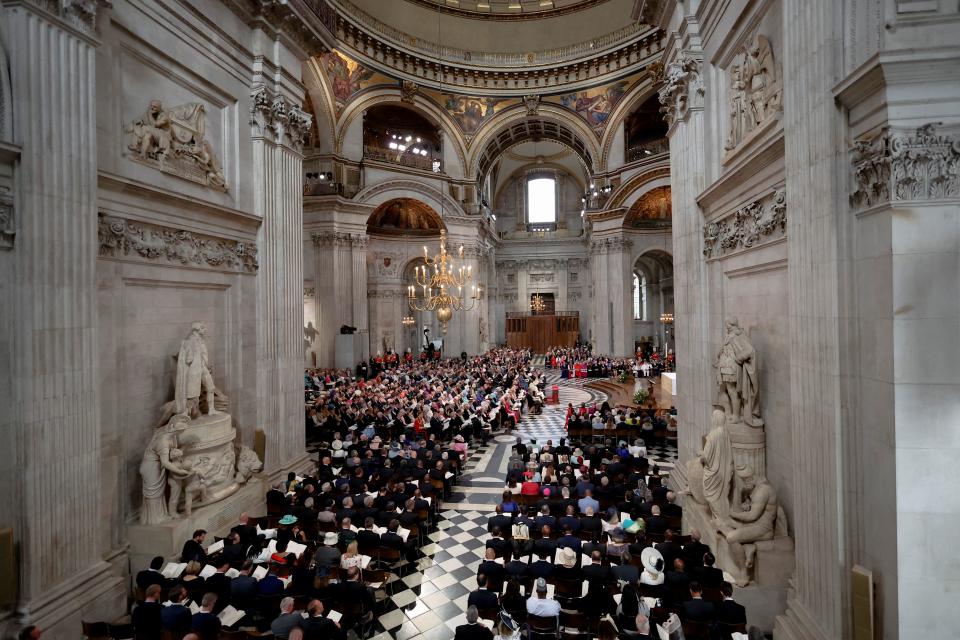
(541, 332)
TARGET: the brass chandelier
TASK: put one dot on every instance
(442, 284)
(537, 304)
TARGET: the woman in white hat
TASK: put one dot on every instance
(652, 563)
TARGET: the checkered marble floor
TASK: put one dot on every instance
(427, 599)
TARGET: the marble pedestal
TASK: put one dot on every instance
(207, 444)
(773, 566)
(166, 539)
(350, 350)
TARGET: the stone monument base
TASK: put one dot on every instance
(166, 539)
(773, 566)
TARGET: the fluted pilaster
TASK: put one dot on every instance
(54, 414)
(278, 127)
(812, 130)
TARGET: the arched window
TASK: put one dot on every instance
(541, 200)
(639, 297)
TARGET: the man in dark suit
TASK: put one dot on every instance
(219, 584)
(392, 539)
(569, 540)
(146, 615)
(517, 568)
(541, 568)
(205, 623)
(671, 510)
(696, 609)
(499, 521)
(708, 575)
(544, 518)
(669, 549)
(596, 571)
(693, 551)
(676, 582)
(409, 516)
(485, 597)
(317, 627)
(176, 617)
(656, 523)
(493, 570)
(152, 574)
(569, 519)
(499, 544)
(193, 548)
(367, 538)
(728, 611)
(244, 588)
(473, 630)
(246, 531)
(353, 590)
(234, 552)
(545, 546)
(591, 523)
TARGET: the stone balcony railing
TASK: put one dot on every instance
(424, 163)
(627, 50)
(647, 149)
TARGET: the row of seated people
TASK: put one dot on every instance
(469, 397)
(310, 547)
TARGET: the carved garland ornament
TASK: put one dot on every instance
(682, 88)
(120, 238)
(610, 245)
(274, 117)
(747, 226)
(892, 167)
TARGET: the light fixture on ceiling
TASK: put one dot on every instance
(408, 321)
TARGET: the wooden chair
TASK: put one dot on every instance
(696, 630)
(543, 627)
(578, 621)
(726, 630)
(391, 557)
(122, 631)
(95, 630)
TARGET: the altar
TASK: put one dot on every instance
(668, 382)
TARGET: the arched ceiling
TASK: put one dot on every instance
(531, 129)
(405, 216)
(508, 9)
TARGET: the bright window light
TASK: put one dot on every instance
(541, 201)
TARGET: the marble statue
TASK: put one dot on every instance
(737, 377)
(710, 474)
(174, 141)
(755, 519)
(156, 466)
(755, 90)
(193, 374)
(247, 464)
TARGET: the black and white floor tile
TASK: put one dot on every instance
(427, 599)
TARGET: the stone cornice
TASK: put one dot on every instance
(128, 239)
(309, 24)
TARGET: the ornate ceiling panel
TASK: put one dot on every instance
(532, 129)
(404, 215)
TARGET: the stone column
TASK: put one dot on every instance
(361, 305)
(278, 128)
(49, 380)
(619, 285)
(682, 98)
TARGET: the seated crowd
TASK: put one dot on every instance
(593, 536)
(579, 362)
(653, 425)
(390, 449)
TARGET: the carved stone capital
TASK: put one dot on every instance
(682, 88)
(895, 166)
(359, 241)
(610, 245)
(276, 118)
(331, 239)
(750, 225)
(120, 238)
